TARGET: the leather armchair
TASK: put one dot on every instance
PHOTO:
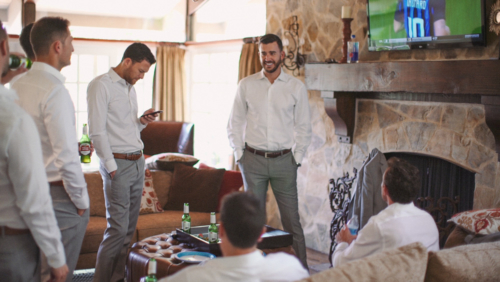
(168, 136)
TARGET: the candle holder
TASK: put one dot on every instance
(347, 38)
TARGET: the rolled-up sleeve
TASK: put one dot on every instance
(237, 123)
(303, 131)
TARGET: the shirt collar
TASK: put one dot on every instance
(50, 69)
(116, 78)
(283, 76)
(8, 93)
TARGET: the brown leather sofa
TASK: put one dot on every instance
(158, 137)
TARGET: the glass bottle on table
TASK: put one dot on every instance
(85, 146)
(186, 219)
(151, 271)
(213, 230)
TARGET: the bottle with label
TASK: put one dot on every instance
(213, 230)
(186, 219)
(16, 61)
(85, 145)
(151, 271)
(353, 225)
(352, 50)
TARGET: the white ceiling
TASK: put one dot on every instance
(116, 8)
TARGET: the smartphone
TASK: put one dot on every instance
(153, 113)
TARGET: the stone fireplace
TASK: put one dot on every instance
(377, 114)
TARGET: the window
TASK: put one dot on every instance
(212, 80)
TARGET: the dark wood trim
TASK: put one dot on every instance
(230, 41)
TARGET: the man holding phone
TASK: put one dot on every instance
(115, 130)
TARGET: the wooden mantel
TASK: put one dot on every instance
(444, 77)
(472, 81)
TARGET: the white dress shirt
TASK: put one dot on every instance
(113, 122)
(395, 226)
(251, 267)
(43, 95)
(24, 191)
(270, 117)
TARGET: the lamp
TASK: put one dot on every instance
(293, 59)
(495, 18)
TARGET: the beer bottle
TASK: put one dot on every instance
(186, 219)
(85, 146)
(16, 61)
(213, 230)
(151, 271)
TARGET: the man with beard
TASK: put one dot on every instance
(270, 130)
(43, 95)
(115, 130)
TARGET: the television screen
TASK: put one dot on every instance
(414, 24)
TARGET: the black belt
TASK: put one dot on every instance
(57, 183)
(12, 231)
(266, 155)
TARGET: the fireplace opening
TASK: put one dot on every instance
(445, 189)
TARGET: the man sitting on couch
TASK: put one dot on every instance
(241, 227)
(401, 223)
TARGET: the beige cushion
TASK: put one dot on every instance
(96, 193)
(477, 262)
(407, 263)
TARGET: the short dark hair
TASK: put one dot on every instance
(138, 52)
(402, 181)
(270, 38)
(46, 31)
(24, 39)
(243, 218)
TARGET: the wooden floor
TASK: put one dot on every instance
(315, 258)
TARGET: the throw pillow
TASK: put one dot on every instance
(479, 221)
(149, 200)
(231, 182)
(167, 161)
(198, 187)
(407, 263)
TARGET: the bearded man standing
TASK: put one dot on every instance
(270, 129)
(115, 130)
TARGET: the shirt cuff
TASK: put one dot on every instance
(57, 260)
(82, 201)
(110, 165)
(298, 157)
(238, 153)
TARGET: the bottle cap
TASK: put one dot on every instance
(353, 36)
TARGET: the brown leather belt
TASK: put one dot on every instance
(57, 183)
(267, 154)
(129, 156)
(12, 231)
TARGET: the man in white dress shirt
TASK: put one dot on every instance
(43, 95)
(400, 224)
(115, 130)
(241, 227)
(270, 130)
(27, 221)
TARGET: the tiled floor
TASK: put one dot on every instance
(316, 261)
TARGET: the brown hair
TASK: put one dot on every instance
(46, 31)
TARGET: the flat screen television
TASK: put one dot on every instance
(418, 24)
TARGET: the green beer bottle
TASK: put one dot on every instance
(85, 145)
(151, 271)
(213, 230)
(186, 219)
(16, 61)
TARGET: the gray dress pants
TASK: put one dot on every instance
(123, 200)
(257, 172)
(72, 228)
(19, 258)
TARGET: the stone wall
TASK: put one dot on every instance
(469, 142)
(321, 28)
